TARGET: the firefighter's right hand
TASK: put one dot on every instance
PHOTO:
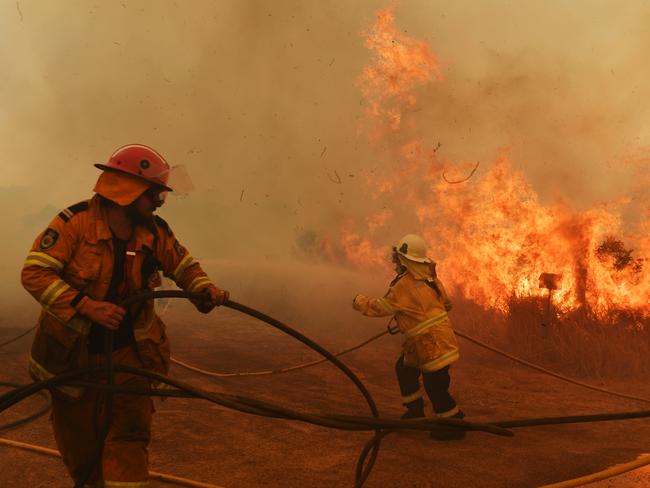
(105, 314)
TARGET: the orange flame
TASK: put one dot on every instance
(491, 235)
(400, 64)
(361, 252)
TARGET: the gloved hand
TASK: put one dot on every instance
(106, 314)
(214, 297)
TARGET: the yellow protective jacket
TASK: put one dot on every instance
(73, 258)
(421, 315)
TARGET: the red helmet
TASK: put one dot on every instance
(141, 161)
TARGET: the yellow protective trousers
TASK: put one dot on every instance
(77, 425)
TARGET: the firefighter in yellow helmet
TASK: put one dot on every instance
(418, 301)
(91, 256)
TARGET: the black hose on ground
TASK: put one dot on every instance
(248, 405)
(258, 407)
(287, 330)
(381, 426)
(243, 404)
(30, 418)
(20, 336)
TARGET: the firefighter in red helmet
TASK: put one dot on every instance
(91, 257)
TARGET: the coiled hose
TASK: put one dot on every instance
(368, 456)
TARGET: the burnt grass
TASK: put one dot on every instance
(577, 343)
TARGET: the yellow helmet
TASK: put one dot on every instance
(413, 248)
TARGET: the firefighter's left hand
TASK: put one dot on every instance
(215, 297)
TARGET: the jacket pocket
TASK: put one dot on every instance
(56, 348)
(85, 266)
(427, 347)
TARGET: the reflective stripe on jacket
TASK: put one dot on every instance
(421, 315)
(73, 258)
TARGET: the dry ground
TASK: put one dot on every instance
(206, 442)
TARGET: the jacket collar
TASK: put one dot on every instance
(99, 229)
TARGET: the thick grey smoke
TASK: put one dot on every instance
(258, 100)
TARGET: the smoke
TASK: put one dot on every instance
(557, 85)
(259, 101)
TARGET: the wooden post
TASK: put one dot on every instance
(550, 281)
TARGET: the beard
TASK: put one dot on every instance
(137, 217)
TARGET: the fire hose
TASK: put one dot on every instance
(168, 478)
(296, 367)
(381, 426)
(248, 405)
(602, 475)
(257, 407)
(501, 352)
(14, 339)
(30, 418)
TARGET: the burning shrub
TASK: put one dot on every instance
(613, 252)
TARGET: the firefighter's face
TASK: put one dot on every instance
(146, 204)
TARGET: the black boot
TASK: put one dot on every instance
(415, 409)
(445, 433)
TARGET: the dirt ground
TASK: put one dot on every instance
(208, 443)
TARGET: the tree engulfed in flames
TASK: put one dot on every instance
(491, 235)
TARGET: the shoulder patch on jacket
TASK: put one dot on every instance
(163, 223)
(397, 278)
(73, 210)
(49, 238)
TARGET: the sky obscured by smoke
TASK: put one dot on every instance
(259, 101)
